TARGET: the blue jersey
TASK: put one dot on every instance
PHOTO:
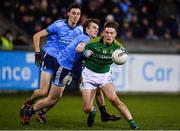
(68, 56)
(60, 35)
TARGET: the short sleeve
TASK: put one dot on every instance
(53, 27)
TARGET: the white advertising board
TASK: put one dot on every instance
(148, 73)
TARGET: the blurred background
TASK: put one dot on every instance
(149, 29)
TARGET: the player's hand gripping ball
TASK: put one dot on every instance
(120, 56)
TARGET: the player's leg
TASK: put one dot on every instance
(88, 96)
(41, 114)
(42, 91)
(53, 96)
(105, 116)
(47, 69)
(60, 79)
(44, 85)
(110, 92)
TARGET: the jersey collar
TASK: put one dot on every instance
(66, 21)
(87, 34)
(101, 40)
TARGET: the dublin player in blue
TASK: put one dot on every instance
(60, 34)
(66, 58)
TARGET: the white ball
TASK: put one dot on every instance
(119, 56)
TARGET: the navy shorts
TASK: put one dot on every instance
(51, 65)
(59, 75)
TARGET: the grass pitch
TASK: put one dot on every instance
(152, 112)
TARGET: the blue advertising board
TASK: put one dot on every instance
(17, 71)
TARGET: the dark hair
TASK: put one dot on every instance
(112, 24)
(74, 5)
(89, 21)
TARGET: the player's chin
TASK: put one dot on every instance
(75, 20)
(109, 41)
(94, 35)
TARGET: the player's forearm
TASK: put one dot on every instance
(36, 41)
(79, 50)
(80, 47)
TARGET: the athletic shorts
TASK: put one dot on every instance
(59, 75)
(51, 65)
(93, 80)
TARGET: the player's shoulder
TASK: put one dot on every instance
(83, 36)
(79, 27)
(60, 22)
(118, 43)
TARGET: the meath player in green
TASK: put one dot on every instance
(97, 74)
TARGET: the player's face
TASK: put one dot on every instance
(74, 15)
(109, 35)
(92, 30)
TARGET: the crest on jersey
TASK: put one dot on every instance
(104, 51)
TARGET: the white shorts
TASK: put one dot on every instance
(92, 80)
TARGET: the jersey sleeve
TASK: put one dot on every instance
(54, 26)
(84, 39)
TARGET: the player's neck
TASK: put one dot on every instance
(72, 25)
(106, 42)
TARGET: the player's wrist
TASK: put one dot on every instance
(37, 53)
(87, 53)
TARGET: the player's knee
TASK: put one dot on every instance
(52, 101)
(113, 100)
(87, 109)
(43, 92)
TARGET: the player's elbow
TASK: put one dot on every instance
(79, 49)
(40, 34)
(36, 36)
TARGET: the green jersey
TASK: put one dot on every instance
(102, 59)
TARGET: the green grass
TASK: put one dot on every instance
(153, 112)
